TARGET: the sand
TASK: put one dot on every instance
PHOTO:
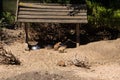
(103, 57)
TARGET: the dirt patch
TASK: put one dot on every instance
(103, 56)
(6, 57)
(9, 36)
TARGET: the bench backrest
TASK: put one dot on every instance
(51, 13)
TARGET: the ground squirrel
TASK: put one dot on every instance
(57, 45)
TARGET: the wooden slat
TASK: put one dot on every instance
(63, 13)
(50, 13)
(52, 17)
(39, 6)
(52, 21)
(54, 4)
(16, 14)
(51, 10)
(48, 6)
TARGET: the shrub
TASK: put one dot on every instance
(7, 19)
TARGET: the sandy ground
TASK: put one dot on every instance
(103, 56)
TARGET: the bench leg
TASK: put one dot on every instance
(26, 36)
(77, 35)
(26, 32)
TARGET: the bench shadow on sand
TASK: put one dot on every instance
(47, 76)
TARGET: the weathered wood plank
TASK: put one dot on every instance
(54, 12)
(52, 21)
(51, 10)
(50, 13)
(26, 32)
(55, 4)
(77, 34)
(49, 6)
(16, 14)
(51, 17)
(39, 6)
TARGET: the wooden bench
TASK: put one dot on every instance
(52, 13)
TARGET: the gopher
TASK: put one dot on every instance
(62, 49)
(65, 63)
(61, 63)
(57, 45)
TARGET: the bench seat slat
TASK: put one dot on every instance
(50, 13)
(51, 10)
(40, 6)
(52, 4)
(52, 21)
(52, 17)
(33, 5)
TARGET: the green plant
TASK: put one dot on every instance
(1, 22)
(7, 20)
(8, 17)
(102, 16)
